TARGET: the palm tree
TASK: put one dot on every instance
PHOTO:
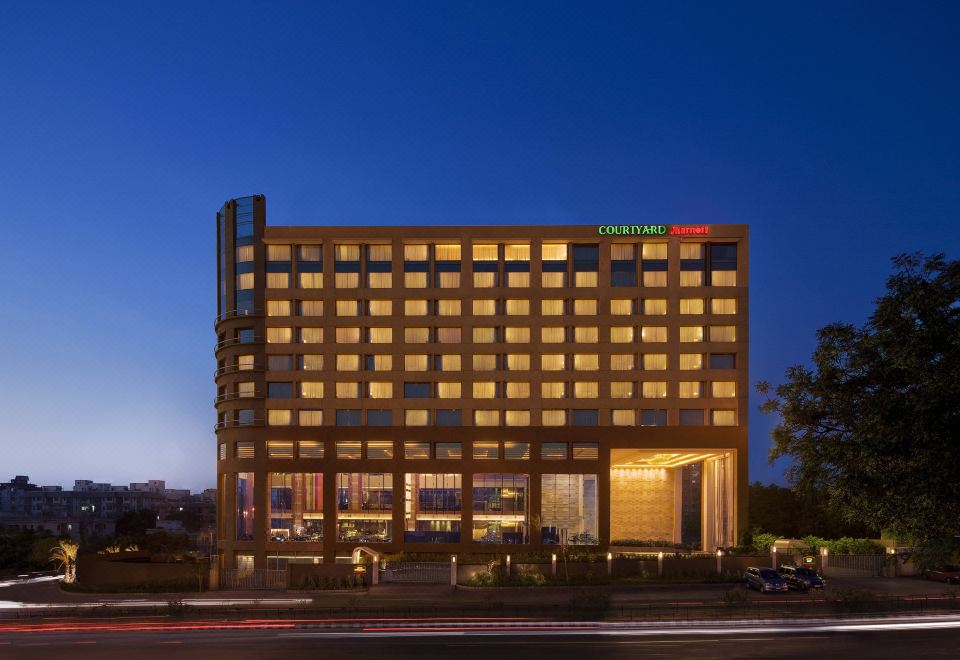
(64, 554)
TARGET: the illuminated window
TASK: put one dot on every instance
(553, 362)
(654, 361)
(655, 251)
(621, 390)
(485, 266)
(654, 306)
(512, 252)
(245, 363)
(551, 307)
(446, 252)
(691, 250)
(415, 307)
(723, 389)
(349, 450)
(691, 278)
(311, 308)
(244, 253)
(552, 390)
(622, 307)
(416, 335)
(449, 450)
(518, 362)
(691, 361)
(485, 307)
(517, 335)
(723, 418)
(348, 390)
(484, 280)
(380, 335)
(554, 252)
(485, 418)
(621, 334)
(586, 390)
(554, 279)
(347, 362)
(586, 362)
(415, 280)
(484, 362)
(516, 451)
(311, 390)
(725, 333)
(416, 252)
(380, 307)
(485, 253)
(311, 335)
(691, 333)
(585, 307)
(723, 306)
(348, 308)
(279, 335)
(484, 335)
(517, 280)
(518, 390)
(416, 450)
(245, 390)
(586, 334)
(485, 390)
(623, 252)
(448, 335)
(552, 335)
(723, 278)
(313, 280)
(310, 449)
(310, 417)
(690, 389)
(277, 449)
(654, 278)
(653, 334)
(517, 307)
(448, 390)
(553, 451)
(448, 362)
(245, 450)
(279, 417)
(448, 307)
(379, 449)
(278, 280)
(653, 390)
(554, 417)
(380, 390)
(448, 279)
(311, 362)
(586, 279)
(517, 417)
(622, 362)
(346, 280)
(379, 362)
(417, 418)
(586, 451)
(623, 417)
(348, 335)
(278, 308)
(691, 305)
(415, 362)
(380, 280)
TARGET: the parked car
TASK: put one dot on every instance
(765, 579)
(949, 574)
(801, 578)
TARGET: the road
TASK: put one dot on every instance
(878, 637)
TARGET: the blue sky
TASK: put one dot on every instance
(831, 128)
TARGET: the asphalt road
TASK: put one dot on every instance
(889, 637)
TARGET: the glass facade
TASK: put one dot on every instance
(296, 506)
(246, 511)
(364, 507)
(500, 508)
(432, 508)
(568, 509)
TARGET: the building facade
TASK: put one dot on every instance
(468, 389)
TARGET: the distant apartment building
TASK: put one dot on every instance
(465, 389)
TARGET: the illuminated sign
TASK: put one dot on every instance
(653, 230)
(809, 559)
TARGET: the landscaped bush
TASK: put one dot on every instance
(150, 586)
(651, 543)
(844, 546)
(327, 582)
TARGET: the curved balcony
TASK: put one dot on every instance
(230, 424)
(234, 396)
(235, 341)
(235, 369)
(234, 314)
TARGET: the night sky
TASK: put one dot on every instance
(831, 128)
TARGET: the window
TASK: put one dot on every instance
(245, 390)
(620, 417)
(551, 307)
(278, 280)
(517, 390)
(310, 449)
(416, 417)
(654, 361)
(691, 361)
(280, 362)
(449, 450)
(622, 362)
(244, 253)
(415, 307)
(723, 306)
(653, 334)
(723, 418)
(517, 264)
(279, 417)
(654, 390)
(416, 450)
(222, 452)
(553, 451)
(448, 362)
(691, 417)
(621, 307)
(723, 389)
(449, 417)
(348, 390)
(416, 335)
(279, 335)
(278, 308)
(311, 362)
(380, 449)
(245, 363)
(514, 335)
(586, 334)
(484, 335)
(311, 390)
(348, 308)
(296, 507)
(417, 390)
(311, 335)
(691, 278)
(379, 418)
(621, 390)
(690, 389)
(554, 417)
(654, 278)
(346, 362)
(348, 418)
(554, 252)
(517, 417)
(416, 252)
(364, 503)
(691, 305)
(349, 450)
(311, 308)
(449, 390)
(380, 335)
(586, 361)
(585, 307)
(486, 418)
(554, 279)
(380, 307)
(485, 307)
(415, 362)
(484, 362)
(552, 335)
(448, 308)
(517, 307)
(653, 418)
(518, 361)
(723, 333)
(380, 390)
(348, 335)
(691, 333)
(485, 266)
(586, 451)
(724, 278)
(279, 449)
(553, 390)
(623, 264)
(723, 361)
(621, 334)
(485, 390)
(415, 280)
(500, 508)
(314, 280)
(553, 361)
(654, 306)
(486, 451)
(516, 451)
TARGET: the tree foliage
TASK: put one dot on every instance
(873, 424)
(790, 514)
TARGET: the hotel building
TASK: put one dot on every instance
(468, 389)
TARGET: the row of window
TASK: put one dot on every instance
(509, 334)
(490, 390)
(386, 449)
(349, 362)
(454, 417)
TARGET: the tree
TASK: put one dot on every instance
(790, 514)
(136, 522)
(873, 424)
(64, 555)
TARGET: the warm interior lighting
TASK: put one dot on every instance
(633, 459)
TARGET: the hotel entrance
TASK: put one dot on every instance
(667, 497)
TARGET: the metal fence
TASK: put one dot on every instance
(856, 565)
(420, 572)
(245, 578)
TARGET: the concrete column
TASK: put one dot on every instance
(453, 570)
